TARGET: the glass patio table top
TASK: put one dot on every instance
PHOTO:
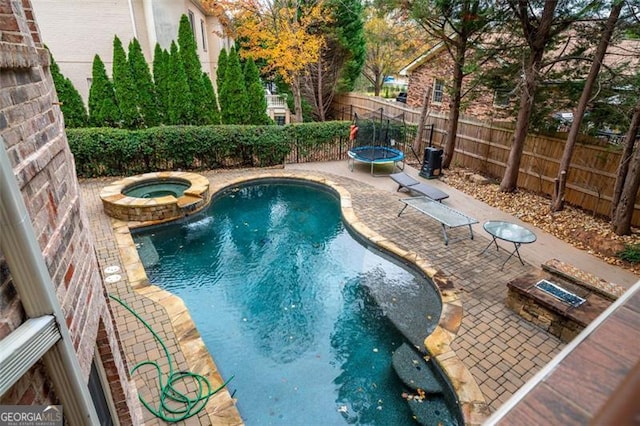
(509, 231)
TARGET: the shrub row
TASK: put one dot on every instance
(120, 152)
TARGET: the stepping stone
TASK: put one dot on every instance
(414, 371)
(432, 412)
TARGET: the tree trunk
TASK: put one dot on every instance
(626, 177)
(625, 159)
(377, 87)
(509, 181)
(417, 143)
(537, 39)
(454, 107)
(563, 171)
(320, 93)
(297, 100)
(624, 211)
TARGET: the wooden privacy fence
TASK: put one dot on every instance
(484, 147)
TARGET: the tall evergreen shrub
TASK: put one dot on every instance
(161, 79)
(71, 104)
(222, 67)
(147, 101)
(193, 70)
(179, 108)
(211, 103)
(233, 96)
(257, 102)
(125, 89)
(348, 25)
(103, 107)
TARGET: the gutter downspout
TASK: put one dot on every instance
(133, 20)
(151, 25)
(37, 293)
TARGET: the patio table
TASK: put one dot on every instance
(510, 232)
(447, 216)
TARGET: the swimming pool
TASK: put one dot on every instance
(288, 302)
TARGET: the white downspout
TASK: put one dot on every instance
(151, 25)
(133, 20)
(37, 293)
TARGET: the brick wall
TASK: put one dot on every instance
(32, 131)
(35, 388)
(478, 103)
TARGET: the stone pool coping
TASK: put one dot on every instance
(221, 408)
(120, 206)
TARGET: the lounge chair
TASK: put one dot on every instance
(410, 184)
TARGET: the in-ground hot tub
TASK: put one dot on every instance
(156, 197)
(157, 188)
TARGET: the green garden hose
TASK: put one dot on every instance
(174, 405)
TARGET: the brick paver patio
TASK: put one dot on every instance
(500, 349)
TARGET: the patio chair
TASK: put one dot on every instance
(410, 184)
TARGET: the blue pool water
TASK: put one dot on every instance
(284, 299)
(155, 188)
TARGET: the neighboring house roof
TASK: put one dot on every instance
(623, 52)
(416, 63)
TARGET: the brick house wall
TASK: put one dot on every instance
(479, 103)
(32, 132)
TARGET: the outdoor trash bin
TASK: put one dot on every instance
(432, 163)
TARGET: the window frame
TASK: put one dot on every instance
(192, 19)
(501, 98)
(204, 38)
(438, 92)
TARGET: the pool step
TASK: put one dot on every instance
(431, 412)
(414, 371)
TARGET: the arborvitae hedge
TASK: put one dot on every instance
(257, 105)
(72, 106)
(126, 93)
(180, 108)
(193, 70)
(120, 152)
(103, 107)
(233, 96)
(222, 68)
(212, 113)
(161, 69)
(147, 101)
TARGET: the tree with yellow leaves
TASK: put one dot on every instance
(392, 41)
(279, 32)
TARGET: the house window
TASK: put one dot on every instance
(438, 90)
(280, 119)
(204, 36)
(501, 98)
(99, 391)
(193, 25)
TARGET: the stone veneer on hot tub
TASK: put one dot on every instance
(120, 206)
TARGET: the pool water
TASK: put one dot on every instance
(284, 299)
(157, 188)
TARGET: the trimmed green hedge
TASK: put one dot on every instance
(119, 152)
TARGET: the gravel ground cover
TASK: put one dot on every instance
(573, 225)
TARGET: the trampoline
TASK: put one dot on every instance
(377, 139)
(375, 155)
